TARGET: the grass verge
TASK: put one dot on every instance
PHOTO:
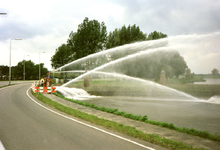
(131, 131)
(203, 134)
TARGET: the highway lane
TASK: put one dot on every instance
(25, 125)
(3, 83)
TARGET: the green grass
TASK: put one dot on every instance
(184, 81)
(198, 90)
(105, 109)
(206, 76)
(131, 131)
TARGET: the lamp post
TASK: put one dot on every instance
(10, 61)
(24, 68)
(39, 64)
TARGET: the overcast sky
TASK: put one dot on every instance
(44, 25)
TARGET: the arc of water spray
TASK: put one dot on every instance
(82, 71)
(145, 45)
(134, 46)
(116, 61)
(161, 49)
(147, 81)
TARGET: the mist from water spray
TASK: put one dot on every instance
(127, 58)
(130, 48)
(135, 50)
(146, 83)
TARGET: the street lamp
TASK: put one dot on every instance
(24, 68)
(10, 61)
(39, 64)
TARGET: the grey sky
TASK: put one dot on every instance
(45, 24)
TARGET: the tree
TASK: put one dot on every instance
(150, 65)
(90, 38)
(215, 72)
(156, 35)
(4, 72)
(125, 35)
(178, 64)
(31, 70)
(188, 74)
(62, 56)
(18, 71)
(113, 39)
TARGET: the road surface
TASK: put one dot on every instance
(26, 125)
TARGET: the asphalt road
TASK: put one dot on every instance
(26, 125)
(3, 83)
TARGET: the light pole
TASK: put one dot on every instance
(24, 68)
(10, 61)
(39, 64)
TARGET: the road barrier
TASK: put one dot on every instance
(43, 89)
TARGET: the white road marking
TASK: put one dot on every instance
(1, 146)
(141, 145)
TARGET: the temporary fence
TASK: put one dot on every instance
(43, 89)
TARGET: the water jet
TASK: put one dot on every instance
(114, 74)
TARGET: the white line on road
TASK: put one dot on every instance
(90, 125)
(1, 146)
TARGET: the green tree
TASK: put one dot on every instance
(170, 61)
(178, 64)
(125, 35)
(43, 71)
(4, 72)
(31, 70)
(188, 74)
(62, 56)
(156, 35)
(215, 72)
(113, 39)
(18, 71)
(90, 38)
(150, 65)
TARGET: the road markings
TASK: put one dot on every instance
(117, 136)
(1, 146)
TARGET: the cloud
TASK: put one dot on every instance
(201, 52)
(45, 25)
(173, 17)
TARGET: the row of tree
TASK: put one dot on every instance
(17, 72)
(91, 37)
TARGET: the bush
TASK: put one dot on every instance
(144, 118)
